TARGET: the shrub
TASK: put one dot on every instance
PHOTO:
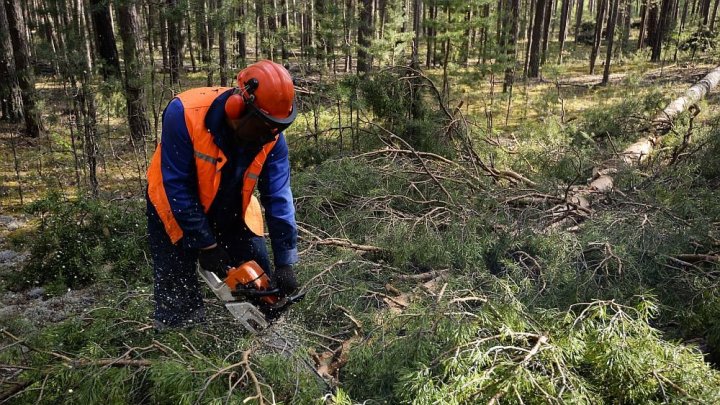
(78, 241)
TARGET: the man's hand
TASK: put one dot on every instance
(285, 280)
(215, 259)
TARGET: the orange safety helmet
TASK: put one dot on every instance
(264, 89)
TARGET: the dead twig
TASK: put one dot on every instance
(423, 276)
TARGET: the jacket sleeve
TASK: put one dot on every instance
(180, 178)
(277, 199)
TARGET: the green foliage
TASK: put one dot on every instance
(625, 119)
(596, 352)
(70, 361)
(400, 104)
(77, 242)
(701, 40)
(586, 33)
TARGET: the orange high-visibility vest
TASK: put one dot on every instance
(209, 160)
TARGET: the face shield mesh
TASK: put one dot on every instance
(264, 127)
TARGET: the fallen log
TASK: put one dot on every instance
(662, 123)
(602, 180)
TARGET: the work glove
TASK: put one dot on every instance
(285, 280)
(215, 259)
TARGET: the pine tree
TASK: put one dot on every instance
(23, 67)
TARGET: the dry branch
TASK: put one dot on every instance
(695, 258)
(347, 244)
(424, 276)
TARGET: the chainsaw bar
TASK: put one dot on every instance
(240, 305)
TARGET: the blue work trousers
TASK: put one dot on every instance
(178, 298)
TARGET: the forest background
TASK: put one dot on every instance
(509, 201)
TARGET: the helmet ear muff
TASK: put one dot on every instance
(234, 106)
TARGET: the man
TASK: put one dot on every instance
(218, 145)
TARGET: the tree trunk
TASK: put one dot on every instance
(662, 123)
(10, 92)
(530, 29)
(134, 91)
(610, 39)
(546, 30)
(431, 10)
(417, 11)
(652, 24)
(364, 62)
(201, 24)
(105, 38)
(598, 34)
(272, 30)
(627, 21)
(705, 11)
(349, 16)
(564, 11)
(222, 44)
(664, 23)
(285, 33)
(85, 103)
(534, 64)
(714, 15)
(578, 18)
(466, 39)
(644, 11)
(23, 67)
(174, 23)
(512, 16)
(241, 37)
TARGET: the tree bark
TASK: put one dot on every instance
(10, 92)
(417, 11)
(612, 20)
(222, 44)
(241, 37)
(201, 24)
(285, 33)
(652, 23)
(663, 26)
(714, 15)
(174, 16)
(578, 18)
(564, 11)
(85, 101)
(105, 38)
(534, 64)
(598, 34)
(272, 30)
(644, 12)
(512, 16)
(529, 30)
(546, 30)
(627, 21)
(23, 67)
(134, 91)
(364, 62)
(705, 11)
(662, 122)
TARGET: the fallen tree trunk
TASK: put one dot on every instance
(662, 123)
(602, 178)
(659, 126)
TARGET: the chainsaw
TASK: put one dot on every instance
(248, 295)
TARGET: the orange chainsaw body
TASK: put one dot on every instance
(250, 275)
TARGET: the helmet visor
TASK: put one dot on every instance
(264, 126)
